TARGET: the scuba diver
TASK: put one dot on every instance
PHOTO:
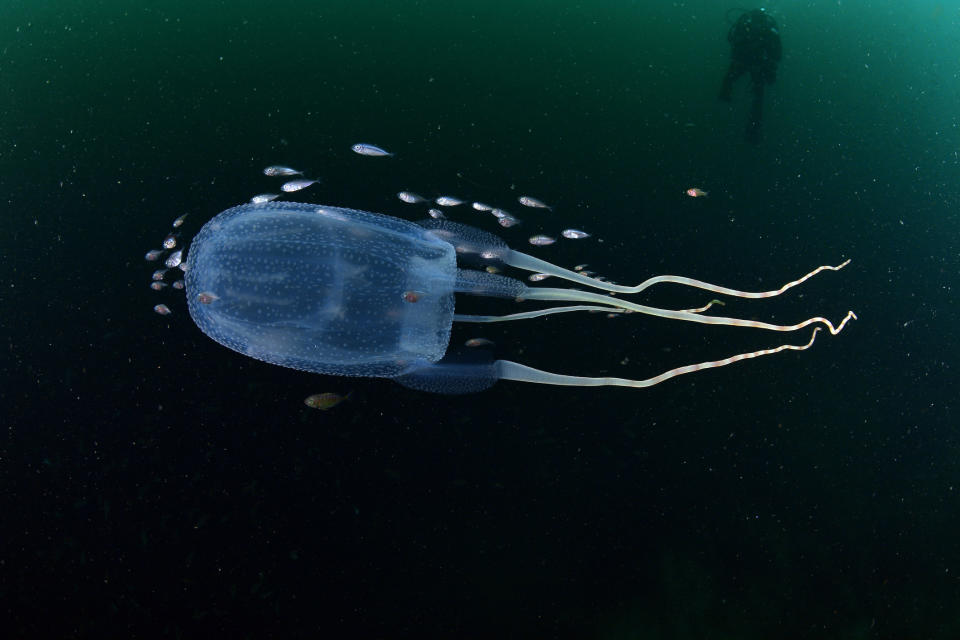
(754, 48)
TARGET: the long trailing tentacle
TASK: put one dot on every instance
(509, 370)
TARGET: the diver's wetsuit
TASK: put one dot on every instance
(754, 47)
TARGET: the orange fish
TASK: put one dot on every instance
(696, 193)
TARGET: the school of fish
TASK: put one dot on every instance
(174, 258)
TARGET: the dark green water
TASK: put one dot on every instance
(155, 484)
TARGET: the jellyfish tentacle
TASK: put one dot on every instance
(706, 286)
(530, 263)
(573, 295)
(509, 370)
(459, 317)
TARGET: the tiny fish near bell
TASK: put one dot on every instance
(478, 342)
(324, 401)
(542, 241)
(277, 170)
(365, 149)
(296, 185)
(174, 259)
(410, 197)
(260, 198)
(574, 234)
(694, 192)
(527, 201)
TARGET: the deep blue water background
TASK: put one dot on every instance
(156, 484)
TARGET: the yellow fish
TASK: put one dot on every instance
(324, 401)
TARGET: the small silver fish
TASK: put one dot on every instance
(179, 284)
(365, 149)
(479, 206)
(527, 201)
(162, 309)
(179, 221)
(159, 274)
(537, 277)
(508, 221)
(448, 201)
(157, 286)
(174, 259)
(478, 342)
(574, 234)
(436, 214)
(410, 197)
(260, 198)
(205, 297)
(277, 170)
(170, 241)
(296, 185)
(153, 255)
(581, 267)
(542, 241)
